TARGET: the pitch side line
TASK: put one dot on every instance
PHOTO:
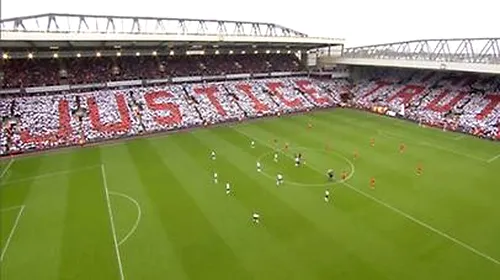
(493, 158)
(16, 222)
(431, 145)
(451, 151)
(138, 219)
(419, 222)
(423, 224)
(422, 143)
(6, 168)
(46, 175)
(111, 221)
(403, 214)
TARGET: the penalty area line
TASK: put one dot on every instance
(14, 227)
(493, 158)
(111, 221)
(46, 175)
(11, 208)
(6, 168)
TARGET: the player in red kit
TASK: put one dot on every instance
(420, 169)
(344, 175)
(402, 148)
(372, 142)
(372, 182)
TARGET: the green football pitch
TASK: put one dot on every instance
(149, 208)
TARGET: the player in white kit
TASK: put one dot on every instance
(228, 188)
(255, 218)
(279, 179)
(252, 144)
(327, 195)
(216, 176)
(330, 174)
(258, 167)
(275, 157)
(212, 155)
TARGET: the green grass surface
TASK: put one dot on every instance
(170, 221)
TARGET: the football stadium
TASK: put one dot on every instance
(171, 148)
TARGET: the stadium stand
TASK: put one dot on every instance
(62, 119)
(465, 103)
(85, 70)
(73, 92)
(461, 102)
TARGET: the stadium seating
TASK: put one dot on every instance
(43, 122)
(26, 73)
(457, 102)
(46, 72)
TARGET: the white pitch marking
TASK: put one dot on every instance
(419, 222)
(493, 158)
(459, 137)
(111, 221)
(49, 174)
(423, 224)
(16, 222)
(351, 165)
(139, 214)
(10, 208)
(6, 168)
(432, 145)
(409, 217)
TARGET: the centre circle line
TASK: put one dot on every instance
(349, 176)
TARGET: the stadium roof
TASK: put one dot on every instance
(90, 31)
(464, 50)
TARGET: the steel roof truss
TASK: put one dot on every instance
(52, 23)
(160, 27)
(83, 22)
(485, 51)
(221, 27)
(147, 25)
(465, 50)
